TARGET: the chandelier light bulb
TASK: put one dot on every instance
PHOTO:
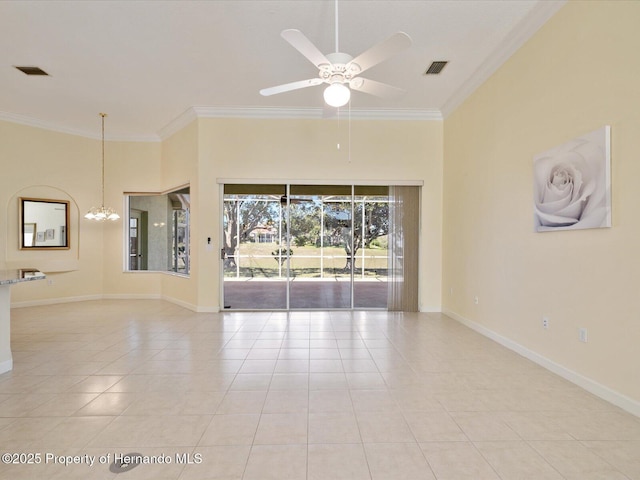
(337, 95)
(101, 214)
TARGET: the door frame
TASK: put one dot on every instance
(352, 183)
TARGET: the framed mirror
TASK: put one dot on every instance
(44, 224)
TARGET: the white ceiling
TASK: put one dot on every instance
(146, 63)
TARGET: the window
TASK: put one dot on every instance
(158, 234)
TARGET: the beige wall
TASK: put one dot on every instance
(579, 72)
(180, 167)
(298, 150)
(129, 167)
(142, 168)
(46, 164)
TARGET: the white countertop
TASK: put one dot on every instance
(9, 277)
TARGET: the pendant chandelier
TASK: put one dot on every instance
(102, 213)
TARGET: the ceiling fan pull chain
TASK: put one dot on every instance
(336, 14)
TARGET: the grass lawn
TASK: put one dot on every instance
(256, 260)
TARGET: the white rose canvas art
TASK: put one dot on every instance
(572, 184)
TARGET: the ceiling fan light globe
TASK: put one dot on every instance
(337, 95)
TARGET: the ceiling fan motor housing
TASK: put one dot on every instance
(340, 69)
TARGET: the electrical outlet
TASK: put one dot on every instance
(50, 282)
(476, 300)
(582, 333)
(451, 291)
(545, 322)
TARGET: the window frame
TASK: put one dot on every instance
(170, 235)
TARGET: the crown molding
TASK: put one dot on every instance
(45, 125)
(518, 36)
(272, 113)
(194, 113)
(178, 123)
(316, 113)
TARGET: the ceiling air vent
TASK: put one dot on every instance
(32, 71)
(435, 68)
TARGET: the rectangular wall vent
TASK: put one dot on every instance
(435, 68)
(32, 71)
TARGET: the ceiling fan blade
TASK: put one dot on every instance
(378, 89)
(380, 52)
(301, 43)
(287, 87)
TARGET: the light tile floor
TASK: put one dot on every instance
(304, 395)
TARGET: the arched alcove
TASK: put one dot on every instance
(45, 261)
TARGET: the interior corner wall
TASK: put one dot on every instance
(129, 167)
(150, 168)
(286, 150)
(179, 167)
(579, 72)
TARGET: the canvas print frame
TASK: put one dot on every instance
(572, 184)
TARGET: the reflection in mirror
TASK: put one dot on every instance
(44, 224)
(158, 236)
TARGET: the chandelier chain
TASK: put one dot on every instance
(102, 213)
(103, 115)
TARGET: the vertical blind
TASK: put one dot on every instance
(404, 226)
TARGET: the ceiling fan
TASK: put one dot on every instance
(340, 70)
(284, 199)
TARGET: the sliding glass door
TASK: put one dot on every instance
(255, 255)
(320, 229)
(370, 247)
(306, 247)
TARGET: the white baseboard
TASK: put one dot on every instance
(180, 303)
(6, 366)
(151, 296)
(214, 309)
(55, 301)
(626, 403)
(117, 296)
(131, 296)
(190, 306)
(428, 309)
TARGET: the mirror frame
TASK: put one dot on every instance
(22, 225)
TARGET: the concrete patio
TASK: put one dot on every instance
(307, 294)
